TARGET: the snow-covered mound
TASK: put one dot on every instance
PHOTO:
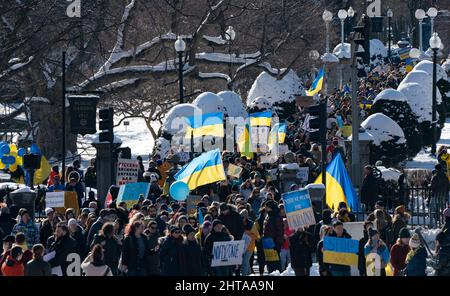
(259, 103)
(174, 119)
(383, 129)
(377, 48)
(343, 52)
(162, 146)
(389, 174)
(276, 91)
(233, 103)
(390, 94)
(329, 58)
(419, 98)
(423, 78)
(209, 102)
(314, 271)
(427, 66)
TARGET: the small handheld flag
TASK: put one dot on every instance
(316, 87)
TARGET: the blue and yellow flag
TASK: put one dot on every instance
(277, 131)
(261, 118)
(202, 170)
(41, 174)
(342, 251)
(366, 104)
(210, 124)
(339, 187)
(243, 143)
(316, 87)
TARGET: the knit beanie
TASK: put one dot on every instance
(404, 233)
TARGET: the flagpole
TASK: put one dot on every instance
(324, 143)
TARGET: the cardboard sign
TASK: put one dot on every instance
(303, 174)
(192, 201)
(298, 208)
(127, 171)
(234, 171)
(342, 251)
(227, 253)
(54, 199)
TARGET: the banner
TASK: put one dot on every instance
(303, 174)
(342, 251)
(192, 201)
(298, 208)
(227, 253)
(54, 199)
(127, 171)
(234, 171)
(130, 192)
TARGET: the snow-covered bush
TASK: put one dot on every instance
(209, 102)
(394, 105)
(278, 94)
(389, 143)
(233, 103)
(377, 52)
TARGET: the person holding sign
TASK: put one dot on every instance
(218, 234)
(340, 232)
(273, 236)
(301, 246)
(376, 246)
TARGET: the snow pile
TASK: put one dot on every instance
(329, 58)
(343, 51)
(423, 78)
(233, 104)
(389, 173)
(446, 66)
(383, 129)
(429, 235)
(314, 271)
(276, 91)
(419, 98)
(259, 103)
(174, 120)
(390, 95)
(427, 66)
(209, 102)
(377, 48)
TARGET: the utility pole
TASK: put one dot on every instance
(63, 111)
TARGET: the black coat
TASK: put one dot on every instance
(233, 222)
(6, 224)
(212, 237)
(369, 190)
(273, 227)
(361, 256)
(63, 247)
(111, 248)
(193, 257)
(38, 267)
(130, 252)
(95, 228)
(80, 246)
(172, 257)
(301, 246)
(47, 230)
(153, 263)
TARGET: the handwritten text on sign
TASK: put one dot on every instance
(127, 171)
(227, 253)
(298, 208)
(54, 199)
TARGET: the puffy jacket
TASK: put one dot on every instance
(11, 267)
(233, 222)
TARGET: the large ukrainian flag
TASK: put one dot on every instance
(261, 118)
(316, 87)
(202, 170)
(339, 187)
(210, 124)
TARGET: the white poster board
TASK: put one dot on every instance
(227, 253)
(127, 171)
(298, 207)
(54, 199)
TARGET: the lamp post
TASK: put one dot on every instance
(230, 35)
(420, 15)
(435, 44)
(389, 14)
(327, 16)
(180, 47)
(342, 14)
(432, 13)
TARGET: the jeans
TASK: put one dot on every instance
(245, 268)
(285, 258)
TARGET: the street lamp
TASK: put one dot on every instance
(420, 15)
(230, 35)
(432, 13)
(414, 53)
(342, 14)
(327, 16)
(180, 47)
(389, 14)
(435, 45)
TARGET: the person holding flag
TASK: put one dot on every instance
(317, 85)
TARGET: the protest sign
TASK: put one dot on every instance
(192, 201)
(227, 253)
(234, 171)
(127, 171)
(54, 199)
(341, 251)
(303, 174)
(298, 208)
(130, 192)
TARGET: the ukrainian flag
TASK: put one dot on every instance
(342, 251)
(243, 144)
(339, 187)
(205, 169)
(278, 131)
(210, 124)
(41, 174)
(366, 104)
(261, 118)
(316, 87)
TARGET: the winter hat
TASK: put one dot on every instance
(223, 207)
(22, 212)
(272, 205)
(72, 221)
(174, 228)
(404, 233)
(188, 229)
(373, 232)
(48, 211)
(217, 222)
(414, 241)
(446, 212)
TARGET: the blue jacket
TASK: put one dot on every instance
(382, 251)
(30, 230)
(418, 263)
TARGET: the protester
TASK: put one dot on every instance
(285, 253)
(37, 266)
(369, 188)
(111, 246)
(193, 252)
(416, 260)
(6, 222)
(135, 250)
(218, 234)
(362, 243)
(339, 232)
(250, 236)
(12, 266)
(301, 248)
(399, 251)
(94, 264)
(375, 245)
(26, 226)
(273, 231)
(324, 268)
(443, 246)
(62, 245)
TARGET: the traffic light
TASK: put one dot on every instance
(106, 125)
(318, 122)
(361, 50)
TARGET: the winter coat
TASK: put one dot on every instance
(47, 230)
(369, 190)
(172, 257)
(153, 263)
(30, 230)
(382, 251)
(273, 228)
(6, 224)
(301, 248)
(111, 249)
(62, 247)
(92, 269)
(11, 267)
(233, 222)
(398, 257)
(194, 260)
(323, 267)
(95, 228)
(213, 237)
(130, 256)
(38, 267)
(397, 226)
(361, 257)
(443, 237)
(440, 184)
(417, 262)
(80, 246)
(338, 267)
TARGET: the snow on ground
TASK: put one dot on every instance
(233, 103)
(383, 129)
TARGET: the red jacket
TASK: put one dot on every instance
(50, 178)
(398, 257)
(12, 268)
